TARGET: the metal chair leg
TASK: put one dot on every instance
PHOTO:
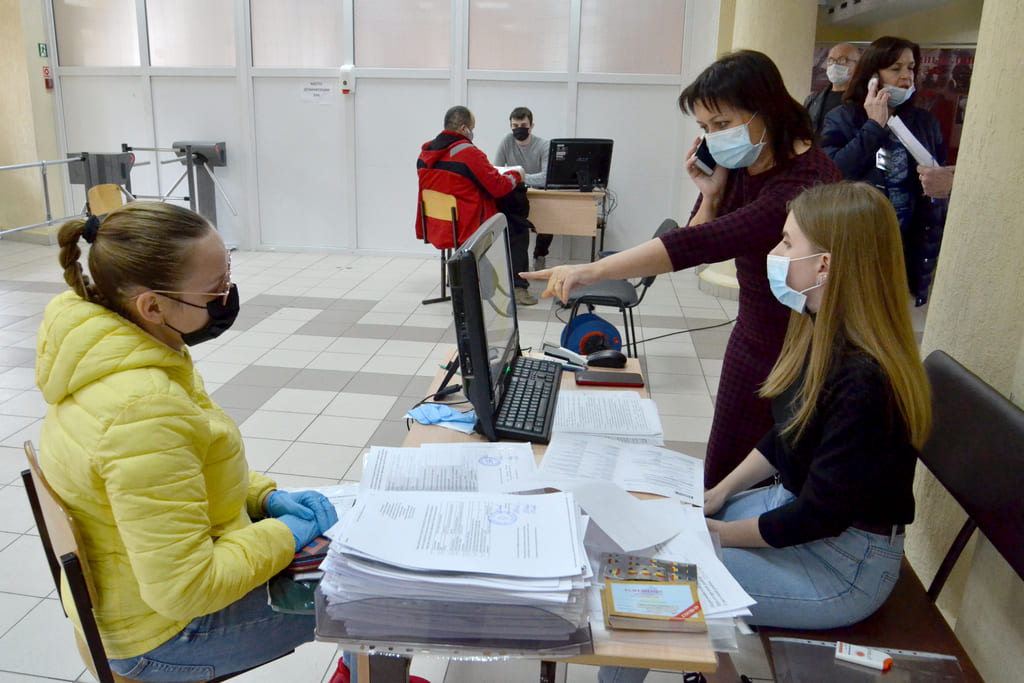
(444, 281)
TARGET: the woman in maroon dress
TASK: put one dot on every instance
(762, 141)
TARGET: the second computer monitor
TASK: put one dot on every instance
(579, 163)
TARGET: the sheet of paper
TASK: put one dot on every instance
(629, 522)
(921, 154)
(634, 467)
(342, 496)
(720, 593)
(621, 414)
(447, 467)
(531, 536)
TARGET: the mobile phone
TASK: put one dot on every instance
(605, 378)
(873, 82)
(705, 162)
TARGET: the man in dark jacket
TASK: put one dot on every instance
(839, 67)
(452, 164)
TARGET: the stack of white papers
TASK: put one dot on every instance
(620, 415)
(477, 568)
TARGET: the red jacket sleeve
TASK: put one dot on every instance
(496, 184)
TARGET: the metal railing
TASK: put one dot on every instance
(41, 165)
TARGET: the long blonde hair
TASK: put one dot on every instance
(864, 303)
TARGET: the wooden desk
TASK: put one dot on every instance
(672, 651)
(567, 212)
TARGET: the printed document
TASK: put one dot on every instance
(920, 153)
(634, 467)
(531, 536)
(622, 415)
(447, 467)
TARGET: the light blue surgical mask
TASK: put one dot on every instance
(732, 147)
(778, 272)
(898, 96)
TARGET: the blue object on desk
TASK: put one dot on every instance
(432, 413)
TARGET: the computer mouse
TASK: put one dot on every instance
(607, 358)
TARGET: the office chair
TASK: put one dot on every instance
(441, 207)
(62, 543)
(621, 294)
(102, 199)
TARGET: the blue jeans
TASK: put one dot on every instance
(244, 634)
(828, 583)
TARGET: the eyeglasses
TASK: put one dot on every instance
(222, 295)
(841, 61)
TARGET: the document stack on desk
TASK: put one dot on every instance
(464, 568)
(620, 415)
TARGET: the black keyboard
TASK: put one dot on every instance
(528, 406)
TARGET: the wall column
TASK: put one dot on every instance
(783, 30)
(977, 316)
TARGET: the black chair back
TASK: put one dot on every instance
(976, 451)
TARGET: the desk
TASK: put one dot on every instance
(567, 212)
(650, 649)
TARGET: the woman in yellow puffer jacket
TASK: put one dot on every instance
(180, 536)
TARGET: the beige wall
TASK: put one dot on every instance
(977, 316)
(17, 129)
(27, 130)
(783, 30)
(956, 22)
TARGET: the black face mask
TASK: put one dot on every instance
(222, 316)
(520, 133)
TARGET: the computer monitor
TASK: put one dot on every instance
(578, 163)
(486, 328)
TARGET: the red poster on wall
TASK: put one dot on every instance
(943, 79)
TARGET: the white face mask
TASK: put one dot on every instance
(732, 147)
(778, 273)
(838, 74)
(898, 96)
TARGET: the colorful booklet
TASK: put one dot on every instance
(640, 568)
(652, 606)
(309, 556)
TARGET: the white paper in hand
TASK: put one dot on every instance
(913, 145)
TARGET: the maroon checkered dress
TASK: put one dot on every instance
(748, 226)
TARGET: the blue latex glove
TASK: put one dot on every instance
(308, 505)
(432, 413)
(303, 530)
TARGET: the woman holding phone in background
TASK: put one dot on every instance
(763, 144)
(857, 138)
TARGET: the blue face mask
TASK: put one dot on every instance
(778, 272)
(898, 96)
(732, 147)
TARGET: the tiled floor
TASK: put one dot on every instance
(326, 356)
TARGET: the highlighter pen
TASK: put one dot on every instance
(865, 656)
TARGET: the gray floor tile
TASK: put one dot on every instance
(237, 395)
(327, 329)
(419, 385)
(389, 433)
(337, 316)
(353, 304)
(427, 334)
(239, 415)
(312, 302)
(711, 343)
(671, 322)
(326, 380)
(265, 376)
(371, 331)
(377, 383)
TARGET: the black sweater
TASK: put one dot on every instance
(853, 463)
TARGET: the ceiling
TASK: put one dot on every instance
(863, 13)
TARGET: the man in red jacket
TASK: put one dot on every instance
(452, 164)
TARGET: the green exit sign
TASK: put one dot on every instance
(42, 49)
